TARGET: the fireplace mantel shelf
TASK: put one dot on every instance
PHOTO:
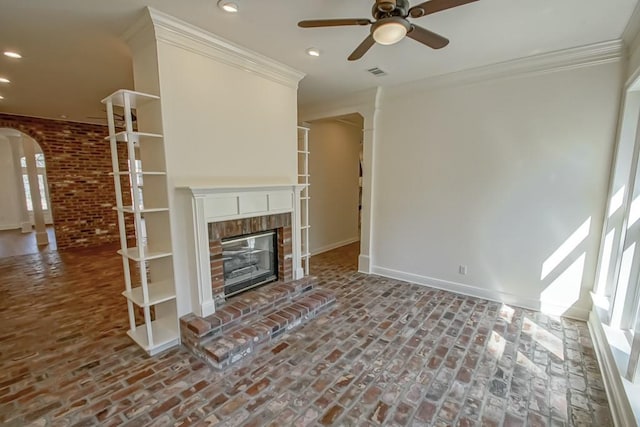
(218, 203)
(201, 189)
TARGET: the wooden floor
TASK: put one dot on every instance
(15, 242)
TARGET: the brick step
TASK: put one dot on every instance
(195, 329)
(244, 339)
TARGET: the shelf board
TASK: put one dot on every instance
(134, 255)
(134, 137)
(158, 292)
(164, 333)
(137, 173)
(129, 209)
(136, 98)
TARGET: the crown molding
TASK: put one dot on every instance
(362, 102)
(176, 32)
(141, 33)
(560, 60)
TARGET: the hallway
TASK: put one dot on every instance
(15, 242)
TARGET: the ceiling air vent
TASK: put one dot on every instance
(377, 72)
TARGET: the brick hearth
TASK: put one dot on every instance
(253, 319)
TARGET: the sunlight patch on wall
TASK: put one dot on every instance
(564, 291)
(634, 212)
(565, 249)
(616, 202)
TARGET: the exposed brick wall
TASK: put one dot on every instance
(78, 161)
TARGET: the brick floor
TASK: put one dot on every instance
(389, 353)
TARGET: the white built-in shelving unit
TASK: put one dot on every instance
(303, 179)
(148, 265)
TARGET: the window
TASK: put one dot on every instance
(618, 277)
(40, 170)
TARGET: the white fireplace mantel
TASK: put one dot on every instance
(224, 203)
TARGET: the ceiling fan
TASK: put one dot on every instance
(390, 23)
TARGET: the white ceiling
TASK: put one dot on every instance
(73, 54)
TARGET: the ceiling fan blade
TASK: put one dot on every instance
(433, 6)
(362, 48)
(332, 22)
(424, 36)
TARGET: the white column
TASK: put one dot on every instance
(17, 153)
(365, 261)
(206, 305)
(38, 215)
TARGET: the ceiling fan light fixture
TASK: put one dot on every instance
(228, 6)
(11, 54)
(312, 51)
(390, 31)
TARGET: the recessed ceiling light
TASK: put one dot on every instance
(1, 97)
(10, 54)
(228, 6)
(312, 51)
(63, 116)
(3, 80)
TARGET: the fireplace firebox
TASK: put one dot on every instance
(249, 261)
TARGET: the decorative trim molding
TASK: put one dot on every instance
(474, 291)
(618, 401)
(181, 34)
(364, 264)
(222, 203)
(560, 60)
(362, 102)
(10, 227)
(332, 246)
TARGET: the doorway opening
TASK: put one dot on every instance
(26, 222)
(335, 177)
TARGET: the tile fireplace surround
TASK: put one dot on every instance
(221, 212)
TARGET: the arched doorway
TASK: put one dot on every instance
(26, 223)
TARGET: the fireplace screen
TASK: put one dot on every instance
(249, 261)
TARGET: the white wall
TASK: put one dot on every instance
(497, 176)
(334, 170)
(9, 197)
(224, 124)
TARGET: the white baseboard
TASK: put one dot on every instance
(475, 291)
(4, 227)
(618, 402)
(336, 245)
(364, 264)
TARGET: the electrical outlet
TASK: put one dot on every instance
(462, 269)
